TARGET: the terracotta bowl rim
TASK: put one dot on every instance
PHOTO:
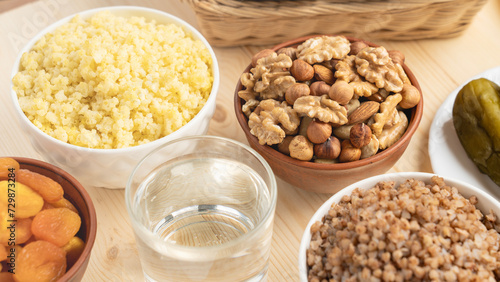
(414, 121)
(89, 243)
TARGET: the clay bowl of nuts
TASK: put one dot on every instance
(53, 218)
(326, 111)
(409, 226)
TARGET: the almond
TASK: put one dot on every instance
(363, 112)
(324, 74)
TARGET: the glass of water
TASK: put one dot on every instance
(202, 209)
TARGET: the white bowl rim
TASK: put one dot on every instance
(370, 182)
(150, 145)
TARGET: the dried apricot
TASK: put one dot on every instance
(47, 206)
(50, 190)
(40, 261)
(64, 203)
(6, 277)
(4, 224)
(57, 225)
(20, 199)
(74, 249)
(3, 254)
(5, 165)
(23, 230)
(12, 254)
(14, 231)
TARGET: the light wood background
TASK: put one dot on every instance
(440, 65)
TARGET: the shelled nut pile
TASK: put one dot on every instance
(328, 99)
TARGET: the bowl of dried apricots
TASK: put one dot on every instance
(326, 111)
(48, 222)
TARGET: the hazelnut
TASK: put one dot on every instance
(289, 51)
(397, 56)
(301, 70)
(283, 147)
(301, 148)
(360, 135)
(410, 96)
(356, 47)
(324, 74)
(341, 91)
(318, 131)
(319, 88)
(295, 91)
(348, 152)
(330, 149)
(261, 54)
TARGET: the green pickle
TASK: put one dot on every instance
(476, 117)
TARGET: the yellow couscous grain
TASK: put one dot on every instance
(113, 82)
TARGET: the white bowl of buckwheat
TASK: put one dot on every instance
(408, 226)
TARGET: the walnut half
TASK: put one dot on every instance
(321, 108)
(269, 123)
(375, 65)
(323, 48)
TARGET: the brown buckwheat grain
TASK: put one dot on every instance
(415, 232)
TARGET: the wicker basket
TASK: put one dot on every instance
(244, 22)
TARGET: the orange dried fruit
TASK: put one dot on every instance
(9, 262)
(16, 231)
(74, 249)
(3, 254)
(64, 203)
(57, 225)
(40, 261)
(47, 206)
(19, 200)
(23, 230)
(50, 190)
(5, 165)
(6, 277)
(4, 230)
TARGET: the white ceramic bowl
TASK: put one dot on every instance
(111, 168)
(485, 203)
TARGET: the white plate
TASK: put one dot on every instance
(448, 157)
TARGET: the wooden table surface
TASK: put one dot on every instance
(440, 65)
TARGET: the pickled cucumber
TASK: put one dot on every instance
(476, 117)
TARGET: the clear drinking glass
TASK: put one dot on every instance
(202, 209)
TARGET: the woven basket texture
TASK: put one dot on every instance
(257, 22)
